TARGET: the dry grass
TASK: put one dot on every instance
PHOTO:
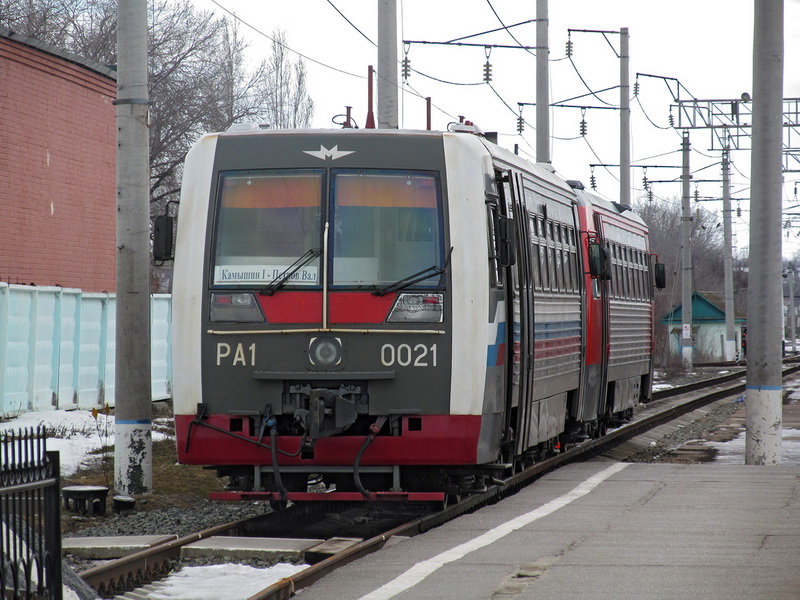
(173, 484)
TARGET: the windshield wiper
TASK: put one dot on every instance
(281, 279)
(415, 278)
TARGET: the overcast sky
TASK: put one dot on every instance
(706, 45)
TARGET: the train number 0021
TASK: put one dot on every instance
(406, 355)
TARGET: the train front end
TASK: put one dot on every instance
(313, 299)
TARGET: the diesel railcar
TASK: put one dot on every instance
(363, 314)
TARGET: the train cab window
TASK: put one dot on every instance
(385, 226)
(267, 220)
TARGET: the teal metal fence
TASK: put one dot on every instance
(57, 348)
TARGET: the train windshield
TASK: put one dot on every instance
(267, 221)
(385, 226)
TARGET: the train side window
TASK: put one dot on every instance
(623, 267)
(611, 252)
(628, 281)
(536, 275)
(533, 227)
(559, 269)
(543, 266)
(568, 275)
(639, 279)
(623, 272)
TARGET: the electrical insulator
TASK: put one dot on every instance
(671, 120)
(583, 127)
(636, 88)
(406, 68)
(593, 181)
(569, 47)
(697, 212)
(487, 72)
(738, 211)
(520, 124)
(697, 196)
(650, 195)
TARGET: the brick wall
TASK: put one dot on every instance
(57, 171)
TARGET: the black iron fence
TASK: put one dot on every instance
(30, 517)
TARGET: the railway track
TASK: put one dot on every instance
(155, 563)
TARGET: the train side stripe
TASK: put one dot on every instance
(496, 352)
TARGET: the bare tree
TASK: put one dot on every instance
(288, 104)
(663, 218)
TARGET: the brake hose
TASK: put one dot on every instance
(373, 431)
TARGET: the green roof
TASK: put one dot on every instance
(707, 307)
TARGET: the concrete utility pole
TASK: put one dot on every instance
(765, 295)
(387, 64)
(624, 117)
(727, 227)
(792, 332)
(133, 457)
(687, 346)
(542, 82)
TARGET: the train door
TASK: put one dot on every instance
(519, 324)
(601, 289)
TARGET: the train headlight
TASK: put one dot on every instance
(325, 352)
(417, 308)
(238, 307)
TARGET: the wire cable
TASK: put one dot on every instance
(507, 30)
(586, 85)
(646, 116)
(274, 41)
(364, 35)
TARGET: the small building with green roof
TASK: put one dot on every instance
(708, 327)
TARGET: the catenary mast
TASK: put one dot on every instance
(133, 457)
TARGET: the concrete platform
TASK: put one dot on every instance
(603, 531)
(234, 548)
(112, 547)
